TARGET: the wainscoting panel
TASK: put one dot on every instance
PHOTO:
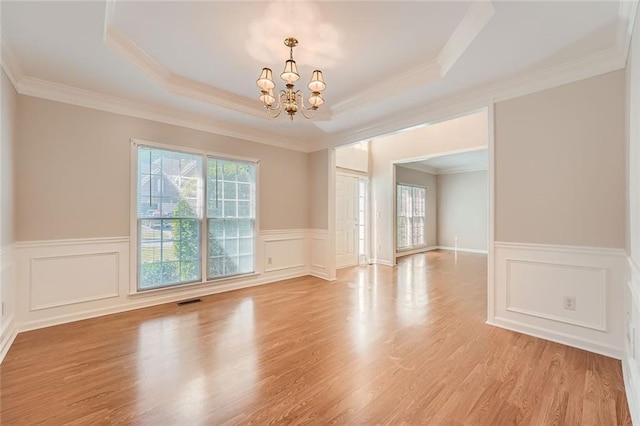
(8, 329)
(318, 253)
(69, 280)
(532, 282)
(529, 285)
(95, 276)
(285, 250)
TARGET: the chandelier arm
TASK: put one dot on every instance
(304, 108)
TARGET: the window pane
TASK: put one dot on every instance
(168, 201)
(231, 213)
(410, 216)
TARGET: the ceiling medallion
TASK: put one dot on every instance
(290, 100)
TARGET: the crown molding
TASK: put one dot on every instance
(454, 170)
(465, 33)
(30, 86)
(418, 168)
(474, 20)
(9, 62)
(626, 18)
(458, 105)
(120, 43)
(421, 75)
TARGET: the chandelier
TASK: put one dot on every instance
(290, 100)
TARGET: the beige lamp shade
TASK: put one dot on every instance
(265, 81)
(316, 99)
(267, 97)
(290, 73)
(317, 83)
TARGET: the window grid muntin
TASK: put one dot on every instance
(249, 181)
(410, 216)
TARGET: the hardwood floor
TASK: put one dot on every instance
(379, 345)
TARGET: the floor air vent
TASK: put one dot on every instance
(188, 302)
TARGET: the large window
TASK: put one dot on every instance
(410, 216)
(175, 225)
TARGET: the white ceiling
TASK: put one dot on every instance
(452, 163)
(388, 65)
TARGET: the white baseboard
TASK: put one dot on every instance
(50, 294)
(383, 262)
(632, 389)
(140, 301)
(555, 336)
(415, 251)
(531, 285)
(7, 336)
(464, 250)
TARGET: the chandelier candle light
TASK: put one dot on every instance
(290, 100)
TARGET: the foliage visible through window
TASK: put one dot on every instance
(410, 216)
(170, 208)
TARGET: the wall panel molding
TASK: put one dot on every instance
(8, 330)
(532, 280)
(75, 279)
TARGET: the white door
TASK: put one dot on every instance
(346, 221)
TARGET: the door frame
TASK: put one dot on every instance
(346, 173)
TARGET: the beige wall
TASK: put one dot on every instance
(73, 168)
(467, 132)
(463, 210)
(319, 189)
(560, 164)
(428, 180)
(7, 147)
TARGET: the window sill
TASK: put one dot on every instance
(190, 286)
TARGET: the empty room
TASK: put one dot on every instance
(320, 212)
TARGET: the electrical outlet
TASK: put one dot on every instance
(269, 260)
(570, 303)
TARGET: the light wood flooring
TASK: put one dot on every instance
(380, 345)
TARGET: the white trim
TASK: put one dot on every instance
(599, 251)
(558, 337)
(631, 380)
(598, 326)
(383, 262)
(8, 335)
(158, 299)
(201, 215)
(601, 325)
(624, 31)
(69, 242)
(109, 295)
(465, 250)
(418, 167)
(433, 70)
(9, 62)
(189, 150)
(475, 19)
(415, 251)
(267, 232)
(491, 186)
(121, 44)
(455, 170)
(43, 89)
(441, 110)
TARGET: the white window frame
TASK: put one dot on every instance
(202, 217)
(424, 224)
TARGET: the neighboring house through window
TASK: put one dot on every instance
(176, 191)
